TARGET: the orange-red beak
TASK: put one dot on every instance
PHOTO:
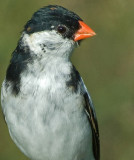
(84, 32)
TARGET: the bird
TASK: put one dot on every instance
(45, 103)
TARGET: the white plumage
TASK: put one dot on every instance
(47, 121)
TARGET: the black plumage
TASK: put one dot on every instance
(53, 15)
(20, 58)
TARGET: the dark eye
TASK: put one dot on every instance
(61, 29)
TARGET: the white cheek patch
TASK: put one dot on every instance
(49, 42)
(33, 42)
(36, 40)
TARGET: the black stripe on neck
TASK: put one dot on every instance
(20, 58)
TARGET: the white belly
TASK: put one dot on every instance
(45, 130)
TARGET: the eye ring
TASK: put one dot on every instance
(61, 29)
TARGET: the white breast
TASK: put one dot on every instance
(47, 121)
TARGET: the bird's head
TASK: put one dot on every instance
(55, 31)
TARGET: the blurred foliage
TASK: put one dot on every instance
(106, 63)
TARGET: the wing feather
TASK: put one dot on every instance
(77, 83)
(90, 111)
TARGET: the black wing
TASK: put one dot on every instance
(77, 81)
(94, 125)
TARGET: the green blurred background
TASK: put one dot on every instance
(105, 61)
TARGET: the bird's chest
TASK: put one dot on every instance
(48, 116)
(39, 98)
(48, 100)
